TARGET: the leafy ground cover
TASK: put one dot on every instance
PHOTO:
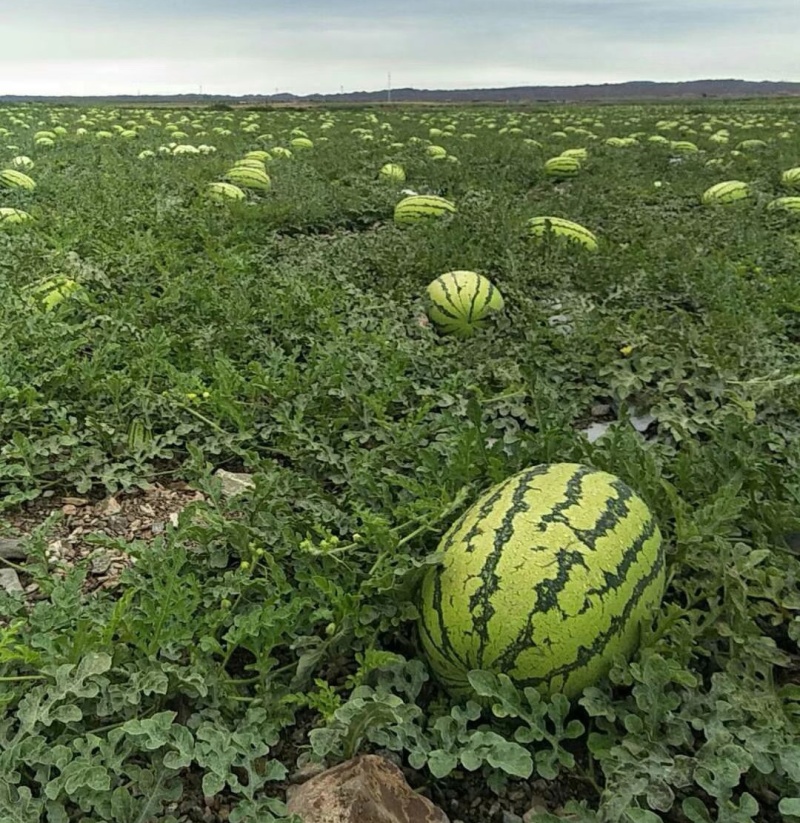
(286, 336)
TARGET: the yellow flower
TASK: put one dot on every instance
(626, 351)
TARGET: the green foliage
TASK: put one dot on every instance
(146, 334)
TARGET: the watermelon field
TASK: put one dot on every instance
(199, 297)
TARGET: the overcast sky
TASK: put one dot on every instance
(258, 46)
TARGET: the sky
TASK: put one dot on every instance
(104, 47)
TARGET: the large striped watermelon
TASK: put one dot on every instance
(546, 578)
(16, 180)
(460, 302)
(725, 193)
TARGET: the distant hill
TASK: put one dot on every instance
(635, 90)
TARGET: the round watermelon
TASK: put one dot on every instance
(791, 178)
(546, 578)
(393, 173)
(461, 301)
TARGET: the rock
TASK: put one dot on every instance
(538, 807)
(55, 551)
(11, 548)
(596, 430)
(9, 580)
(643, 422)
(69, 510)
(74, 501)
(510, 817)
(600, 410)
(101, 562)
(306, 772)
(234, 483)
(110, 506)
(792, 540)
(367, 789)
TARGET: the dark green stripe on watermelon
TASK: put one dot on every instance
(547, 591)
(618, 624)
(481, 602)
(446, 648)
(456, 308)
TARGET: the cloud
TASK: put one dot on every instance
(250, 46)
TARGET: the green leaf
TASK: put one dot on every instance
(789, 806)
(213, 784)
(441, 763)
(642, 816)
(695, 810)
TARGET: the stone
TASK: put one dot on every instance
(101, 562)
(600, 409)
(510, 817)
(538, 807)
(367, 789)
(234, 483)
(306, 772)
(9, 580)
(11, 548)
(69, 510)
(642, 422)
(596, 430)
(55, 551)
(111, 506)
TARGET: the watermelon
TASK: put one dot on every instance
(684, 147)
(460, 302)
(791, 178)
(790, 204)
(558, 226)
(730, 191)
(417, 207)
(220, 192)
(562, 166)
(393, 173)
(250, 163)
(546, 578)
(10, 216)
(248, 178)
(580, 154)
(22, 162)
(16, 180)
